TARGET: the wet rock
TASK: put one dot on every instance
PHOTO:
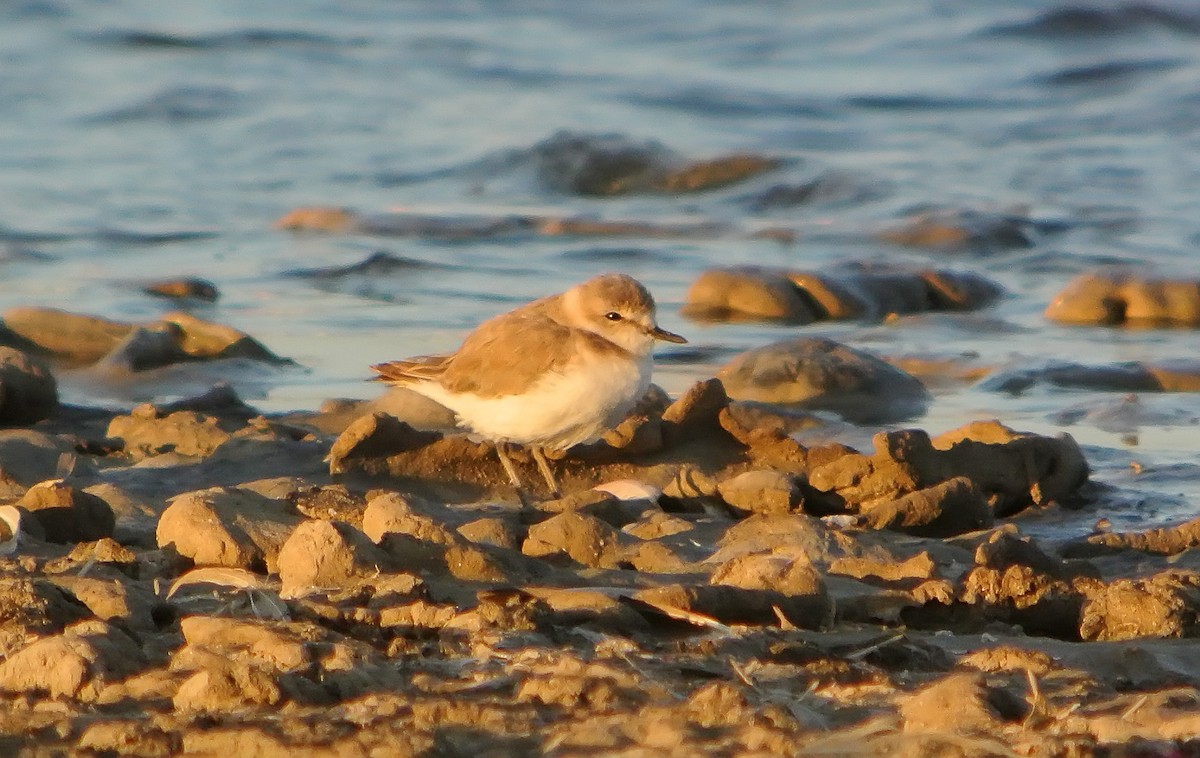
(147, 431)
(318, 219)
(187, 288)
(72, 338)
(75, 664)
(1165, 605)
(585, 539)
(612, 164)
(822, 374)
(761, 491)
(323, 554)
(33, 608)
(963, 229)
(28, 392)
(958, 703)
(1170, 540)
(952, 507)
(226, 526)
(847, 292)
(746, 293)
(205, 340)
(1126, 298)
(67, 514)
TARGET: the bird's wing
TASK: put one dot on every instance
(507, 353)
(422, 368)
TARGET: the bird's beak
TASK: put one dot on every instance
(659, 333)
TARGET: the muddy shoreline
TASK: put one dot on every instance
(199, 578)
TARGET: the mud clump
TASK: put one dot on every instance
(851, 292)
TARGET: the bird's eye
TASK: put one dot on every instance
(613, 316)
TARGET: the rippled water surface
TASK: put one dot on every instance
(142, 140)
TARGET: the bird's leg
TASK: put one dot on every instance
(544, 467)
(502, 453)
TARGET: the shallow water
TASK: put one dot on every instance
(143, 140)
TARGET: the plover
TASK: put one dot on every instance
(549, 374)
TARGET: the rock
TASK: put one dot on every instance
(585, 539)
(696, 413)
(147, 432)
(1123, 297)
(1170, 540)
(414, 409)
(761, 491)
(807, 602)
(374, 436)
(226, 686)
(1017, 594)
(847, 292)
(28, 457)
(701, 604)
(202, 339)
(189, 288)
(1013, 470)
(324, 554)
(919, 567)
(318, 219)
(493, 531)
(957, 704)
(227, 526)
(32, 608)
(76, 664)
(747, 292)
(145, 348)
(74, 339)
(817, 373)
(957, 228)
(1007, 548)
(789, 535)
(952, 507)
(1164, 605)
(67, 514)
(80, 340)
(392, 513)
(269, 643)
(28, 392)
(128, 737)
(133, 604)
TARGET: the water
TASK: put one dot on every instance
(144, 139)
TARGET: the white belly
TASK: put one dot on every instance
(560, 410)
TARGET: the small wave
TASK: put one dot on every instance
(176, 104)
(1110, 72)
(131, 237)
(236, 39)
(1130, 18)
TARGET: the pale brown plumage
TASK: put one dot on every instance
(551, 373)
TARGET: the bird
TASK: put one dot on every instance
(547, 375)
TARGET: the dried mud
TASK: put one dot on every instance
(199, 579)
